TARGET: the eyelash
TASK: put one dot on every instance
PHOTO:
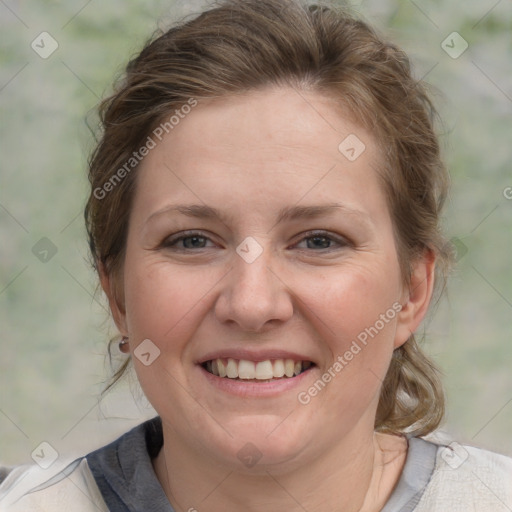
(170, 242)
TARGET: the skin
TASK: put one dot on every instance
(249, 156)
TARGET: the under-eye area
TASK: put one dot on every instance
(260, 371)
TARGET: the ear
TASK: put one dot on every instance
(416, 298)
(115, 302)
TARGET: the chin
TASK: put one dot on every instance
(260, 444)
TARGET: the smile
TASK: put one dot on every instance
(268, 370)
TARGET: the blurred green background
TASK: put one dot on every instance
(54, 328)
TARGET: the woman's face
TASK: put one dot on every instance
(259, 245)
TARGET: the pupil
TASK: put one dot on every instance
(193, 241)
(322, 239)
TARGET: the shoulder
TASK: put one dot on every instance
(468, 479)
(63, 485)
(112, 477)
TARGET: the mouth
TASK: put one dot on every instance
(256, 371)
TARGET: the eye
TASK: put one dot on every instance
(315, 240)
(322, 240)
(186, 240)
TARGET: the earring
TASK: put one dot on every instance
(124, 346)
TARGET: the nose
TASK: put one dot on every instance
(254, 297)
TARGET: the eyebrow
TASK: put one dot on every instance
(287, 213)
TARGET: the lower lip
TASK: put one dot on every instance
(243, 388)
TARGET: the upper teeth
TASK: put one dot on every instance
(262, 370)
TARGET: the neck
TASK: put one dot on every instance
(358, 474)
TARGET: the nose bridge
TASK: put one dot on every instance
(253, 280)
(254, 294)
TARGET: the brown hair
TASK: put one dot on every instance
(241, 45)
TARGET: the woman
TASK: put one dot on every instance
(264, 220)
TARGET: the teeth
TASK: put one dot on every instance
(278, 368)
(246, 370)
(289, 366)
(221, 367)
(262, 370)
(232, 369)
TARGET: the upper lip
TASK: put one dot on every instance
(253, 355)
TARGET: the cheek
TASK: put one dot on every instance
(163, 300)
(357, 316)
(359, 345)
(353, 299)
(163, 304)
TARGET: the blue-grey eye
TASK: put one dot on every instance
(319, 242)
(195, 242)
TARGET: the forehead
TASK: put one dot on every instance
(264, 120)
(264, 148)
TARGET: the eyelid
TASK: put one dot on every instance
(170, 241)
(341, 240)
